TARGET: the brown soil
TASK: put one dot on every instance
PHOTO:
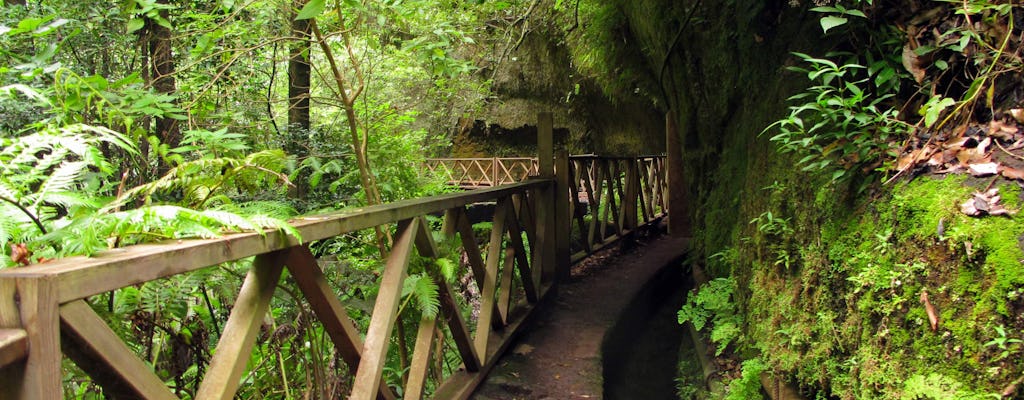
(559, 356)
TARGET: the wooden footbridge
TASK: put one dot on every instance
(49, 312)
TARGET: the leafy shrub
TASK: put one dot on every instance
(838, 124)
(713, 303)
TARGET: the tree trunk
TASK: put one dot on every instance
(348, 93)
(161, 65)
(298, 93)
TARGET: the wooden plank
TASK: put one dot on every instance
(524, 209)
(489, 287)
(39, 377)
(13, 346)
(378, 336)
(450, 225)
(643, 185)
(594, 193)
(544, 248)
(627, 214)
(519, 252)
(420, 359)
(424, 240)
(476, 260)
(562, 199)
(233, 350)
(505, 286)
(678, 218)
(546, 145)
(581, 226)
(461, 384)
(458, 327)
(10, 318)
(325, 304)
(105, 357)
(614, 191)
(328, 309)
(80, 277)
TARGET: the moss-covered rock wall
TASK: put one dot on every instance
(832, 277)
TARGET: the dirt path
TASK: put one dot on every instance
(559, 356)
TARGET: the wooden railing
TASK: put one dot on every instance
(45, 309)
(610, 197)
(483, 172)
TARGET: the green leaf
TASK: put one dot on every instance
(135, 24)
(831, 22)
(311, 10)
(933, 109)
(856, 13)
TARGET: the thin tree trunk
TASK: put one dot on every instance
(298, 92)
(348, 95)
(161, 70)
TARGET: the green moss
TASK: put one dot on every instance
(849, 319)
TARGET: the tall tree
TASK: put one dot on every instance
(156, 36)
(298, 89)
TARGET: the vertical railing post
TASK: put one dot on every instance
(563, 198)
(630, 194)
(546, 208)
(678, 220)
(32, 303)
(494, 172)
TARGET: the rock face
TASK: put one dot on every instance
(538, 75)
(720, 64)
(721, 67)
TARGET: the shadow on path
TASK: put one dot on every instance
(559, 355)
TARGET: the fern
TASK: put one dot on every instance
(422, 288)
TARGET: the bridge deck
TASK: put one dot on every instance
(559, 356)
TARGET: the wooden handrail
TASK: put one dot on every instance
(610, 197)
(43, 307)
(13, 346)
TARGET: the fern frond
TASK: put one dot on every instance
(423, 289)
(265, 221)
(274, 209)
(63, 179)
(230, 221)
(71, 200)
(447, 268)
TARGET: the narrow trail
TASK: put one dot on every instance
(559, 356)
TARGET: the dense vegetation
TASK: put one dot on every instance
(147, 120)
(846, 253)
(844, 211)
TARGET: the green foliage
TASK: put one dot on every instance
(712, 305)
(939, 387)
(839, 124)
(423, 290)
(1003, 342)
(748, 385)
(768, 224)
(837, 15)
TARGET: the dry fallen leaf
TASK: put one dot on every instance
(984, 169)
(1001, 130)
(933, 316)
(1011, 173)
(912, 62)
(1018, 114)
(984, 203)
(20, 254)
(523, 349)
(974, 152)
(908, 160)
